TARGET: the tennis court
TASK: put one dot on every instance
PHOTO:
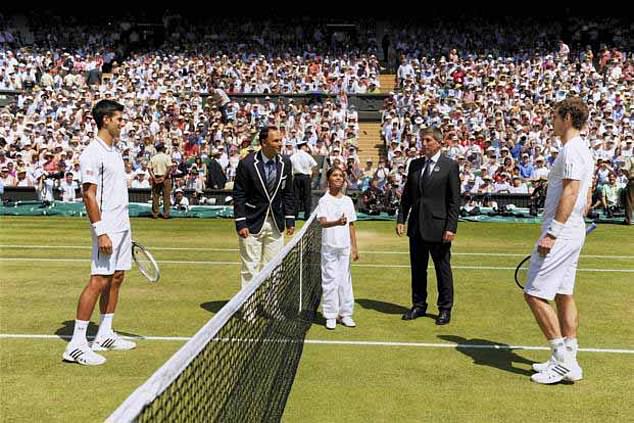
(475, 369)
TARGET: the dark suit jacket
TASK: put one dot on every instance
(252, 202)
(434, 207)
(216, 178)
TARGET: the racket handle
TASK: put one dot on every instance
(591, 227)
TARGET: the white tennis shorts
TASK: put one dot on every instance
(120, 259)
(555, 273)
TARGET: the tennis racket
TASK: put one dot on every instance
(521, 271)
(145, 262)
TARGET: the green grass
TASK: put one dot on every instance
(353, 383)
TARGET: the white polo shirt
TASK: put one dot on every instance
(103, 166)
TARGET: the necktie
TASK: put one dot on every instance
(271, 172)
(427, 171)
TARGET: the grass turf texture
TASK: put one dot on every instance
(334, 382)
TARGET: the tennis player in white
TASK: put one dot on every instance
(105, 193)
(553, 265)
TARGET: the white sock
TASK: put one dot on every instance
(571, 346)
(558, 347)
(79, 333)
(105, 326)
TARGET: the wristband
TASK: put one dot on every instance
(555, 228)
(99, 228)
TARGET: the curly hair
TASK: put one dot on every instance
(576, 108)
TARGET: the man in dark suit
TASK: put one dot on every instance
(431, 199)
(216, 178)
(264, 203)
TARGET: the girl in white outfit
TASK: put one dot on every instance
(338, 242)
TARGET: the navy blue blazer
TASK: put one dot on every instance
(252, 202)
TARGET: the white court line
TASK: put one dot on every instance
(36, 336)
(83, 247)
(357, 343)
(378, 252)
(380, 266)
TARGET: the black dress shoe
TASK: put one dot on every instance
(444, 317)
(414, 312)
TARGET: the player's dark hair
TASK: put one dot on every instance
(105, 108)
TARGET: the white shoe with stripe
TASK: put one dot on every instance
(570, 372)
(112, 342)
(540, 367)
(82, 354)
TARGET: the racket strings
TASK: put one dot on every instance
(145, 263)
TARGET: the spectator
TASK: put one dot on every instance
(22, 179)
(6, 178)
(540, 171)
(628, 171)
(181, 202)
(160, 173)
(610, 196)
(373, 199)
(527, 171)
(140, 181)
(564, 50)
(470, 207)
(216, 178)
(195, 181)
(303, 165)
(603, 172)
(353, 173)
(503, 185)
(519, 187)
(381, 173)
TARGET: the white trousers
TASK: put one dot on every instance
(258, 249)
(336, 282)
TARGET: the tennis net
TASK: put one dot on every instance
(241, 365)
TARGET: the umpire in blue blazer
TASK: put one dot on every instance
(431, 199)
(263, 203)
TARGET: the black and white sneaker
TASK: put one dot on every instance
(112, 342)
(571, 372)
(83, 355)
(540, 367)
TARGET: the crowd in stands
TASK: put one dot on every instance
(239, 56)
(152, 74)
(495, 114)
(517, 37)
(42, 135)
(493, 108)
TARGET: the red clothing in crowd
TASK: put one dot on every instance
(191, 149)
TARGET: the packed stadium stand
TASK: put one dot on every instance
(359, 93)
